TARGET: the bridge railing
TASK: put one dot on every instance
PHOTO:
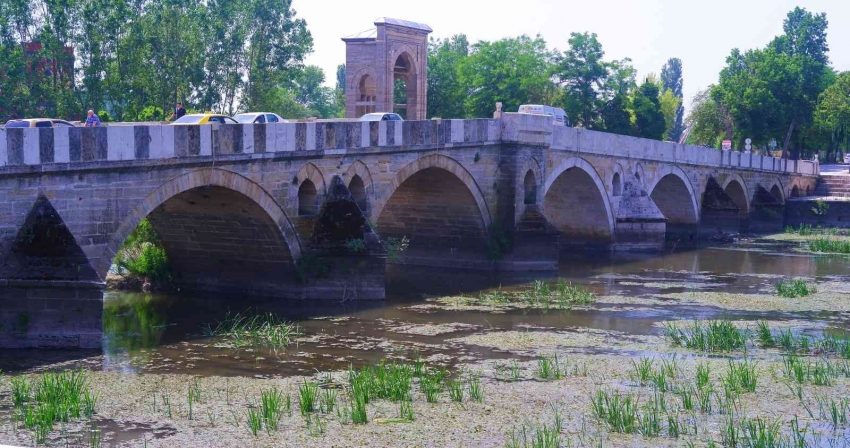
(538, 129)
(39, 146)
(28, 147)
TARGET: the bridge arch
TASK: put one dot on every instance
(576, 202)
(777, 190)
(359, 181)
(305, 197)
(736, 188)
(674, 195)
(617, 181)
(219, 214)
(435, 202)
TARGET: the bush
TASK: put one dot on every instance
(142, 254)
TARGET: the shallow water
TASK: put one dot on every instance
(162, 332)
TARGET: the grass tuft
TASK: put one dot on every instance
(240, 330)
(710, 336)
(795, 288)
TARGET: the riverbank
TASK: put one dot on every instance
(547, 358)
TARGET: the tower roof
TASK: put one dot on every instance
(403, 23)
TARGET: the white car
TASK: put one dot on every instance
(381, 116)
(847, 159)
(559, 117)
(259, 117)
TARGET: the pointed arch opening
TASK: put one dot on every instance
(308, 199)
(674, 197)
(617, 185)
(530, 188)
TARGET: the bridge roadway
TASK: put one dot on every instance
(237, 205)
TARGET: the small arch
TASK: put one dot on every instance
(674, 196)
(617, 185)
(795, 192)
(639, 175)
(573, 186)
(530, 188)
(308, 199)
(360, 170)
(358, 191)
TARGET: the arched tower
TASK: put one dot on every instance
(387, 70)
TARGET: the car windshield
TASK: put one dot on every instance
(17, 124)
(245, 118)
(189, 119)
(372, 117)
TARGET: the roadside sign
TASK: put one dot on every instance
(727, 145)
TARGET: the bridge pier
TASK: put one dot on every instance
(51, 314)
(639, 224)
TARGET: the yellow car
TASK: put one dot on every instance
(37, 123)
(207, 118)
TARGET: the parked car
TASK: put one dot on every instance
(198, 119)
(381, 116)
(558, 114)
(37, 123)
(259, 117)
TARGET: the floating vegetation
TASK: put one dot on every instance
(711, 336)
(792, 289)
(830, 245)
(240, 330)
(540, 294)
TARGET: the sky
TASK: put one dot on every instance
(701, 33)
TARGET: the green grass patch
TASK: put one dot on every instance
(794, 288)
(710, 336)
(242, 330)
(53, 398)
(829, 246)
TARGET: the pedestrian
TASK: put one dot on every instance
(179, 112)
(93, 120)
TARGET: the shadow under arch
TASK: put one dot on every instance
(193, 209)
(576, 202)
(676, 198)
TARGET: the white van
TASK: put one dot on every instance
(558, 114)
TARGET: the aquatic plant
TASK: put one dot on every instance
(741, 376)
(271, 407)
(830, 245)
(759, 433)
(642, 371)
(430, 386)
(538, 436)
(456, 391)
(617, 410)
(52, 398)
(515, 370)
(327, 400)
(241, 330)
(548, 368)
(357, 403)
(476, 389)
(703, 375)
(308, 392)
(765, 337)
(711, 336)
(795, 288)
(405, 411)
(391, 381)
(254, 421)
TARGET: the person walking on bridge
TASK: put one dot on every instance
(93, 120)
(178, 112)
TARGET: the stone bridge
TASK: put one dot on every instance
(237, 205)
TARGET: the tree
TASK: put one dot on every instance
(833, 113)
(446, 92)
(671, 77)
(805, 42)
(582, 73)
(649, 119)
(513, 71)
(705, 120)
(616, 117)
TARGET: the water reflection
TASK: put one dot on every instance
(161, 332)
